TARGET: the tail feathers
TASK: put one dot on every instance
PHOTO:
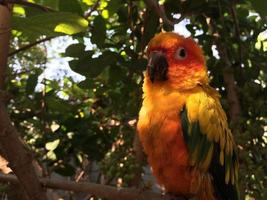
(206, 191)
(223, 191)
(231, 193)
(211, 191)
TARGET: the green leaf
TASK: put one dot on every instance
(260, 6)
(75, 50)
(31, 83)
(242, 12)
(50, 24)
(58, 105)
(116, 74)
(66, 170)
(86, 84)
(49, 3)
(70, 6)
(51, 155)
(123, 14)
(50, 146)
(136, 64)
(18, 10)
(113, 6)
(92, 67)
(99, 31)
(31, 11)
(89, 2)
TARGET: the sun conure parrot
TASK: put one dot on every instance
(182, 125)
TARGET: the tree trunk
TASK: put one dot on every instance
(19, 158)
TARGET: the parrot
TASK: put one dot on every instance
(182, 126)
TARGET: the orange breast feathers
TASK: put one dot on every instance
(160, 132)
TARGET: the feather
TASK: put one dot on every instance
(209, 140)
(221, 157)
(208, 158)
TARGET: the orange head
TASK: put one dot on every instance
(175, 61)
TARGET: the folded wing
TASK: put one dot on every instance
(210, 142)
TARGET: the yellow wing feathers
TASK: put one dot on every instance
(205, 111)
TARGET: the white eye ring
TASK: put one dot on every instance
(181, 53)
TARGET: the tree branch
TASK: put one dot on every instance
(14, 151)
(230, 85)
(28, 46)
(159, 9)
(228, 74)
(237, 33)
(94, 7)
(101, 191)
(29, 4)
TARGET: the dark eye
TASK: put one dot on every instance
(181, 53)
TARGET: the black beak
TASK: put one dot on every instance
(157, 66)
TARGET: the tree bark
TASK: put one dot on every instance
(19, 158)
(5, 30)
(15, 192)
(230, 85)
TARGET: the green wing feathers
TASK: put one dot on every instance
(210, 142)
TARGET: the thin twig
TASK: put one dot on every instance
(29, 4)
(94, 7)
(159, 9)
(79, 176)
(29, 46)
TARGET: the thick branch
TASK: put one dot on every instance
(12, 147)
(102, 191)
(228, 74)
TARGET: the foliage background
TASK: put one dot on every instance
(73, 126)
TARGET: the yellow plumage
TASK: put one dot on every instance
(203, 106)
